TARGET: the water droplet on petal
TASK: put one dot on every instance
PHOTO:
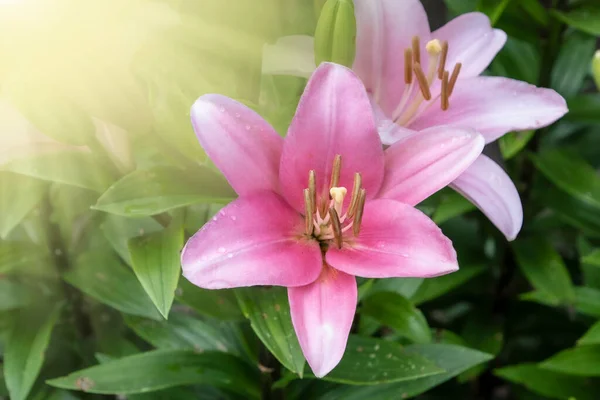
(222, 109)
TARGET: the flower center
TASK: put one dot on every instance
(324, 214)
(417, 88)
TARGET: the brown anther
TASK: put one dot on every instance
(336, 226)
(453, 78)
(309, 211)
(335, 172)
(408, 62)
(359, 212)
(416, 49)
(355, 194)
(444, 96)
(422, 80)
(443, 57)
(312, 188)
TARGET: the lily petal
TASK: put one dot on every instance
(389, 131)
(425, 162)
(240, 143)
(395, 240)
(290, 55)
(384, 28)
(494, 106)
(472, 42)
(333, 117)
(252, 241)
(487, 186)
(322, 314)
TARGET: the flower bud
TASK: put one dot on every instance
(596, 68)
(335, 36)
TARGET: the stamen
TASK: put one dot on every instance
(312, 188)
(445, 99)
(422, 80)
(416, 49)
(434, 48)
(336, 227)
(355, 194)
(338, 194)
(359, 212)
(309, 211)
(453, 78)
(443, 57)
(408, 66)
(335, 173)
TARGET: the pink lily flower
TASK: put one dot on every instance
(418, 79)
(323, 205)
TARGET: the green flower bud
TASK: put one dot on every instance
(596, 68)
(335, 36)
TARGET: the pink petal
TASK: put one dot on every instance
(425, 162)
(487, 186)
(322, 314)
(395, 240)
(290, 55)
(472, 42)
(255, 240)
(494, 106)
(384, 28)
(333, 117)
(240, 143)
(389, 131)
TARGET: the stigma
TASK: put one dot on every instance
(418, 83)
(326, 218)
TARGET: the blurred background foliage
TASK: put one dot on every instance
(102, 179)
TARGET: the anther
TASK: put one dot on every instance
(336, 227)
(355, 194)
(422, 80)
(443, 57)
(309, 211)
(408, 62)
(359, 212)
(335, 173)
(445, 97)
(312, 188)
(453, 78)
(416, 49)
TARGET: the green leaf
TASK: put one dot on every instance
(18, 196)
(548, 383)
(68, 167)
(582, 361)
(452, 204)
(451, 358)
(484, 333)
(397, 312)
(587, 300)
(519, 59)
(572, 63)
(103, 276)
(585, 18)
(435, 287)
(492, 8)
(369, 361)
(118, 230)
(180, 332)
(25, 350)
(590, 266)
(16, 255)
(544, 268)
(12, 295)
(406, 287)
(268, 310)
(536, 10)
(161, 369)
(220, 304)
(591, 337)
(513, 142)
(156, 263)
(458, 7)
(148, 192)
(584, 108)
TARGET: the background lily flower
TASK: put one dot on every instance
(419, 79)
(323, 205)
